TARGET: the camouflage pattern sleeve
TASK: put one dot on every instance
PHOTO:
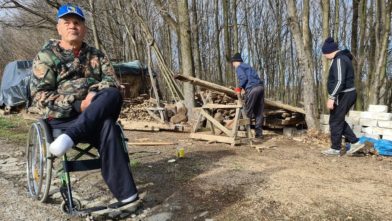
(43, 89)
(108, 76)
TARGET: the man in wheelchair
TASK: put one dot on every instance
(75, 88)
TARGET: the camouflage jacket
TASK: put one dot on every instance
(60, 79)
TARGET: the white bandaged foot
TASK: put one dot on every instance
(130, 199)
(61, 145)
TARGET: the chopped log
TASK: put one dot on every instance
(179, 118)
(232, 94)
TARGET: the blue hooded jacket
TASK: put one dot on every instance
(247, 77)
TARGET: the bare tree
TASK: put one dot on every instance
(325, 27)
(186, 54)
(302, 41)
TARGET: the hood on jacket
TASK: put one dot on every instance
(345, 52)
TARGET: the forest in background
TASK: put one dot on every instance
(281, 39)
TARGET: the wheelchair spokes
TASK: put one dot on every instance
(38, 163)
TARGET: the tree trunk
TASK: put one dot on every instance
(195, 41)
(325, 71)
(359, 105)
(93, 25)
(336, 22)
(226, 36)
(186, 54)
(217, 42)
(305, 61)
(354, 39)
(235, 27)
(381, 53)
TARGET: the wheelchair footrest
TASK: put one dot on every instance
(81, 165)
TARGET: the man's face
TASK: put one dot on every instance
(236, 64)
(71, 29)
(329, 56)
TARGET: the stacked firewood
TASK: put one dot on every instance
(215, 97)
(279, 118)
(135, 109)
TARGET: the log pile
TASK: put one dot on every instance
(135, 109)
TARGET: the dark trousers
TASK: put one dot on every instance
(97, 126)
(338, 125)
(254, 107)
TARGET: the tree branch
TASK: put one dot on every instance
(44, 16)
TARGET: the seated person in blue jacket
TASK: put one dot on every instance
(250, 82)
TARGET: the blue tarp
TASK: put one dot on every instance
(14, 83)
(383, 147)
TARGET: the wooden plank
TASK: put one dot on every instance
(243, 122)
(209, 137)
(151, 143)
(145, 125)
(216, 123)
(245, 134)
(196, 126)
(221, 106)
(152, 114)
(235, 126)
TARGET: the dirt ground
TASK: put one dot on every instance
(287, 180)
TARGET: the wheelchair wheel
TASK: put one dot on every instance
(77, 205)
(39, 162)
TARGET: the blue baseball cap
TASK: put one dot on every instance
(70, 9)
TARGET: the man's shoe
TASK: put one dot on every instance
(331, 152)
(257, 140)
(119, 204)
(355, 147)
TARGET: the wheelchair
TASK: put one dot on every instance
(40, 167)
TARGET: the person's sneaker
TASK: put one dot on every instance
(127, 201)
(344, 149)
(331, 152)
(355, 147)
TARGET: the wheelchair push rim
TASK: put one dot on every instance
(39, 163)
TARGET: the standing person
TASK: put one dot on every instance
(341, 97)
(75, 87)
(250, 81)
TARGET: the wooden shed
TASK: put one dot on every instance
(134, 77)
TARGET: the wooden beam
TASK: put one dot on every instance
(209, 137)
(220, 106)
(150, 126)
(283, 106)
(152, 114)
(243, 122)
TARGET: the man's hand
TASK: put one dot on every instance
(86, 102)
(330, 104)
(239, 90)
